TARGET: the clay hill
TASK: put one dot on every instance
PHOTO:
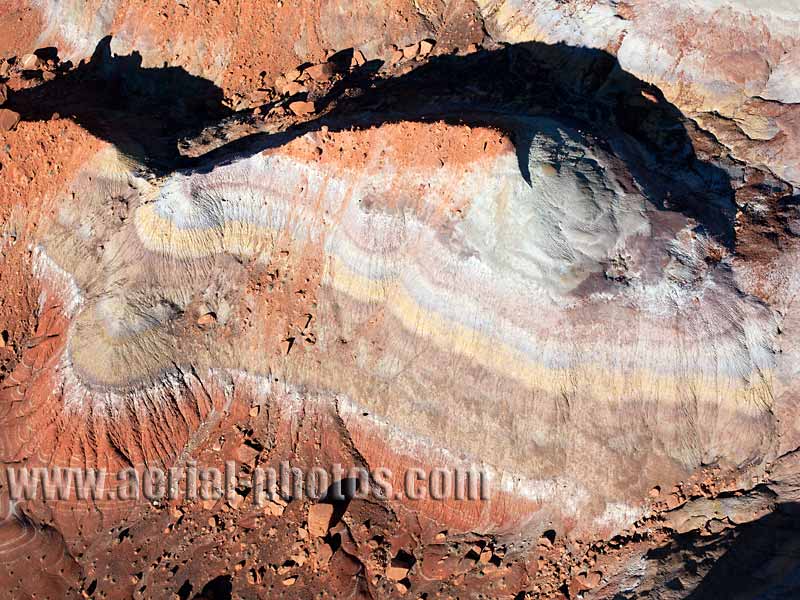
(554, 242)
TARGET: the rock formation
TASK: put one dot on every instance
(550, 242)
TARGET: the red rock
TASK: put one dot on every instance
(411, 51)
(292, 75)
(302, 108)
(8, 119)
(673, 501)
(396, 573)
(247, 454)
(342, 562)
(437, 562)
(593, 579)
(400, 566)
(324, 555)
(425, 47)
(319, 519)
(3, 92)
(206, 320)
(320, 72)
(649, 97)
(396, 57)
(583, 583)
(293, 87)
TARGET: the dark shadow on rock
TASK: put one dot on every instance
(50, 53)
(340, 493)
(761, 562)
(146, 112)
(582, 88)
(142, 111)
(219, 588)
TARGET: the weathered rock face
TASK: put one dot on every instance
(565, 259)
(735, 77)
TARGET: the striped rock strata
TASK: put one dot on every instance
(566, 335)
(738, 78)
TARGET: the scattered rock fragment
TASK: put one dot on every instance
(358, 59)
(302, 108)
(8, 119)
(584, 582)
(411, 51)
(400, 566)
(425, 47)
(319, 519)
(280, 84)
(275, 506)
(292, 75)
(715, 526)
(247, 454)
(3, 93)
(321, 72)
(235, 500)
(396, 573)
(649, 97)
(547, 539)
(324, 555)
(286, 567)
(396, 57)
(206, 320)
(292, 88)
(29, 62)
(673, 501)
